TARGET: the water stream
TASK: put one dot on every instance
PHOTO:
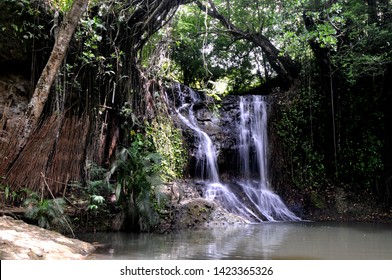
(206, 160)
(251, 196)
(254, 141)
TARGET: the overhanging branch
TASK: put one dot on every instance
(284, 66)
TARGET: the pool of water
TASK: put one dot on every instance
(268, 240)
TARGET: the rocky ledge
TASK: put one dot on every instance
(186, 208)
(21, 241)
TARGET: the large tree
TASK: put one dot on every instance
(90, 76)
(29, 121)
(48, 75)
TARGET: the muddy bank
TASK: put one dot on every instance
(21, 241)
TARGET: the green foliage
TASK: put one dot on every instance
(137, 167)
(97, 180)
(301, 129)
(187, 46)
(89, 33)
(358, 48)
(62, 5)
(47, 213)
(203, 56)
(22, 26)
(14, 197)
(329, 20)
(361, 63)
(367, 51)
(360, 161)
(296, 128)
(98, 186)
(96, 201)
(324, 35)
(169, 144)
(137, 170)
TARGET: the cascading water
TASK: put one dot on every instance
(253, 141)
(251, 199)
(206, 153)
(253, 129)
(207, 159)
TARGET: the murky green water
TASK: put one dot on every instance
(299, 240)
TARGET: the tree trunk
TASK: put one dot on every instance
(48, 75)
(11, 150)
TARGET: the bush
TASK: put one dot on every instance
(47, 213)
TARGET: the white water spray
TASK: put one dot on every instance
(254, 140)
(206, 153)
(264, 204)
(206, 158)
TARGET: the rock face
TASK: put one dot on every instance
(14, 96)
(218, 121)
(228, 139)
(186, 208)
(21, 241)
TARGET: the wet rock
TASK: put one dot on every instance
(187, 208)
(205, 213)
(21, 241)
(217, 119)
(193, 213)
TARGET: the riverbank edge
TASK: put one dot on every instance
(22, 241)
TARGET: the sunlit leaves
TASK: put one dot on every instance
(324, 35)
(62, 5)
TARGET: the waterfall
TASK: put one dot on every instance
(206, 153)
(253, 140)
(249, 198)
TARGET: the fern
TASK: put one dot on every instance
(47, 213)
(138, 171)
(98, 183)
(148, 217)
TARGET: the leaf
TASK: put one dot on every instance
(98, 199)
(92, 207)
(118, 191)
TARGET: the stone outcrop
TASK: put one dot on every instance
(228, 139)
(21, 241)
(218, 120)
(186, 208)
(14, 97)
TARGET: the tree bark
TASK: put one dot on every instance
(48, 75)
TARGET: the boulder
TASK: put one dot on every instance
(187, 208)
(21, 241)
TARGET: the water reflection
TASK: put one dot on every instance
(261, 241)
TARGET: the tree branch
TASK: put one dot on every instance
(284, 66)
